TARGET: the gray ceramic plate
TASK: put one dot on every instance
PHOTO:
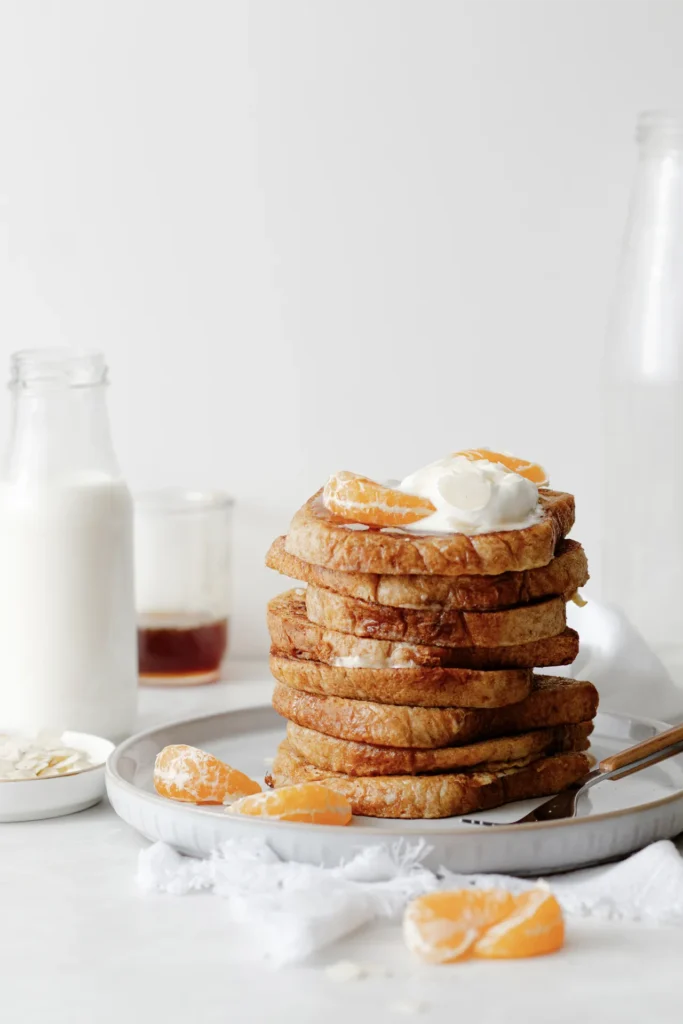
(616, 819)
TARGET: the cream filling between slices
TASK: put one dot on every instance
(365, 661)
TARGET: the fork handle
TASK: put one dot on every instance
(626, 757)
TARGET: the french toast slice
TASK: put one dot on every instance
(445, 628)
(351, 758)
(318, 536)
(561, 577)
(293, 635)
(419, 687)
(434, 796)
(553, 701)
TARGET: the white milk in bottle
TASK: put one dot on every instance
(68, 656)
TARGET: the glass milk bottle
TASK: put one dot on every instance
(67, 620)
(643, 401)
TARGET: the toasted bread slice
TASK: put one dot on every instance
(419, 687)
(332, 754)
(554, 701)
(293, 635)
(318, 536)
(562, 577)
(435, 796)
(446, 628)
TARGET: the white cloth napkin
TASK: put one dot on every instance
(614, 656)
(289, 910)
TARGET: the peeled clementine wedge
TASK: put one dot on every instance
(308, 801)
(534, 928)
(189, 774)
(361, 500)
(531, 470)
(444, 926)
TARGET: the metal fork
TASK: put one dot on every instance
(617, 766)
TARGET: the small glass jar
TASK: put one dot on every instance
(182, 585)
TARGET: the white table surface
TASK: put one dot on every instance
(80, 943)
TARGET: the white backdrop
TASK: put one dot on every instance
(314, 235)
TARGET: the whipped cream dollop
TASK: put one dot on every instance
(472, 497)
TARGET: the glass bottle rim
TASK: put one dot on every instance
(57, 368)
(660, 127)
(178, 501)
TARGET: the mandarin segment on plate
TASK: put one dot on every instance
(443, 926)
(361, 500)
(530, 470)
(194, 776)
(536, 927)
(311, 802)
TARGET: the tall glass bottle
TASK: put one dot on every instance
(643, 401)
(67, 622)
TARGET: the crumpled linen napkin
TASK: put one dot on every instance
(289, 910)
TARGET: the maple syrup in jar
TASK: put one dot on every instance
(182, 570)
(181, 648)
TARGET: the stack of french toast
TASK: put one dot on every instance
(405, 668)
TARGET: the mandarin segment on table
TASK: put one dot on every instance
(442, 927)
(534, 929)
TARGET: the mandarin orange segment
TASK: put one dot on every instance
(308, 801)
(443, 926)
(189, 774)
(361, 500)
(535, 928)
(531, 470)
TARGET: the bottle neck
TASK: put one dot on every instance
(60, 426)
(659, 132)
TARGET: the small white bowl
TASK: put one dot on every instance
(31, 799)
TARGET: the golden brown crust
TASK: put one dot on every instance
(317, 536)
(435, 796)
(420, 687)
(350, 758)
(562, 577)
(447, 628)
(293, 635)
(554, 701)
